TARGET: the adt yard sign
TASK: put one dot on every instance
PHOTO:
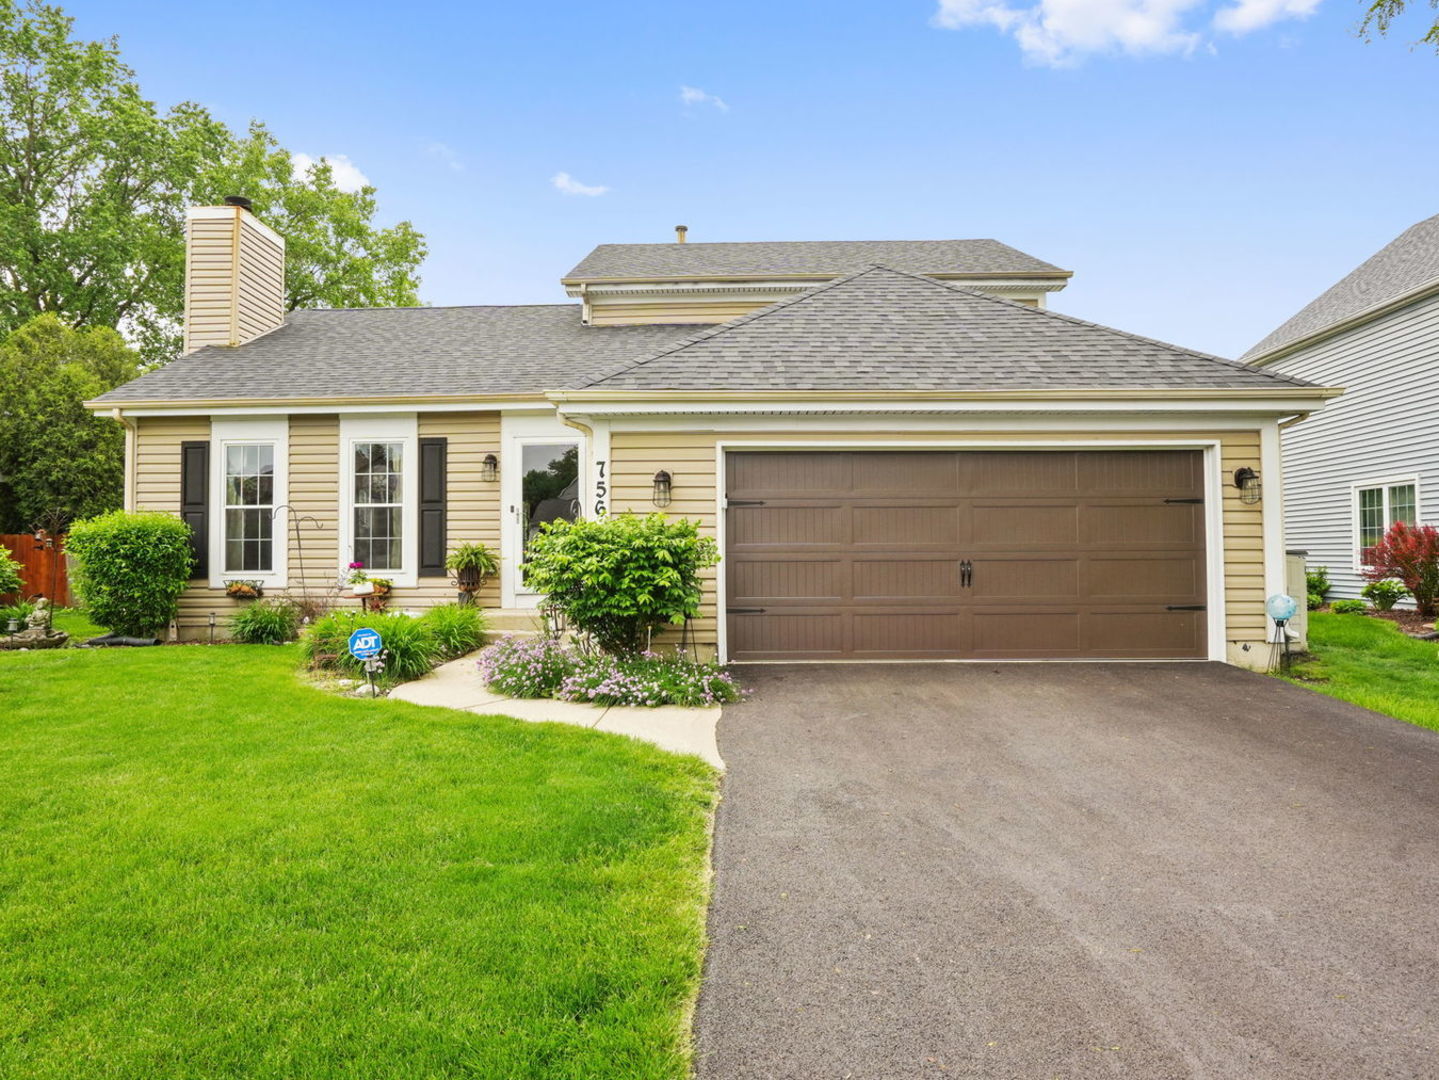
(365, 644)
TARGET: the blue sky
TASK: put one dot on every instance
(1205, 168)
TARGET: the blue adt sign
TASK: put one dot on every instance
(365, 644)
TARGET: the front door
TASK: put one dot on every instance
(548, 490)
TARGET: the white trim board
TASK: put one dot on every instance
(1216, 627)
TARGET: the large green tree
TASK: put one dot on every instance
(59, 462)
(1380, 16)
(94, 181)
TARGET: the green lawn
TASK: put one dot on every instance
(210, 869)
(1369, 662)
(77, 624)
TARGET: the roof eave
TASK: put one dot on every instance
(817, 277)
(1334, 329)
(200, 405)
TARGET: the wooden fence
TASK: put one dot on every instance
(42, 568)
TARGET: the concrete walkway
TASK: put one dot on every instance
(457, 685)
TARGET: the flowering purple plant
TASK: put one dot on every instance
(542, 667)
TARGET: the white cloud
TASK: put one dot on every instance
(1247, 15)
(567, 184)
(1061, 32)
(692, 95)
(446, 154)
(346, 173)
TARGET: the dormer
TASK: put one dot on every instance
(630, 284)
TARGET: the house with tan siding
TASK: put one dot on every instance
(1372, 458)
(901, 452)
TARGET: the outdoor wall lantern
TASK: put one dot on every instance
(663, 484)
(1247, 481)
(490, 468)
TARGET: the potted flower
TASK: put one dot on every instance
(372, 591)
(242, 589)
(472, 565)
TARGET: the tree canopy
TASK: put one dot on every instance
(95, 179)
(58, 461)
(1380, 16)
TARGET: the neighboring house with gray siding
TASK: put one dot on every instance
(1372, 457)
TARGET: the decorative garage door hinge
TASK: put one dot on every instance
(1189, 501)
(742, 502)
(745, 610)
(1186, 607)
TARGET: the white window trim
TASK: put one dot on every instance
(224, 433)
(401, 428)
(1354, 489)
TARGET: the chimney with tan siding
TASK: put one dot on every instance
(234, 275)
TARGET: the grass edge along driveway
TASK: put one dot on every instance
(213, 870)
(1370, 663)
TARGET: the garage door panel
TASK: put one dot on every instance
(788, 525)
(1009, 526)
(1075, 554)
(887, 578)
(1154, 578)
(1033, 579)
(907, 526)
(921, 473)
(798, 635)
(1144, 634)
(760, 580)
(907, 634)
(1141, 525)
(1163, 473)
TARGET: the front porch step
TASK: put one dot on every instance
(513, 621)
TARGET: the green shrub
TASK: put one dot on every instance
(409, 646)
(1316, 580)
(19, 612)
(131, 569)
(1316, 601)
(1385, 594)
(457, 629)
(617, 578)
(265, 622)
(1349, 607)
(10, 581)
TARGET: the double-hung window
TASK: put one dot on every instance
(380, 505)
(379, 482)
(1378, 506)
(249, 508)
(248, 489)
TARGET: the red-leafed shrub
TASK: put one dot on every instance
(1411, 554)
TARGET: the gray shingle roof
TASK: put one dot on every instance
(1410, 261)
(823, 258)
(387, 352)
(882, 329)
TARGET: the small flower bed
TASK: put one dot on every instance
(540, 668)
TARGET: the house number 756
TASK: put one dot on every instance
(601, 490)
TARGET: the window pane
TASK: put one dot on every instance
(249, 492)
(1402, 504)
(1371, 516)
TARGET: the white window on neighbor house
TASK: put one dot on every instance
(247, 538)
(1378, 506)
(379, 463)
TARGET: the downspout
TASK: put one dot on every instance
(132, 434)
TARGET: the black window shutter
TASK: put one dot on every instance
(433, 522)
(195, 502)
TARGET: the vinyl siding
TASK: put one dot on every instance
(675, 311)
(231, 296)
(1382, 427)
(314, 499)
(690, 459)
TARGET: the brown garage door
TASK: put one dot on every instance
(965, 554)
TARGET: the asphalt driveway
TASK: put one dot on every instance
(1069, 870)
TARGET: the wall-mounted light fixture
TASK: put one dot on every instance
(490, 468)
(663, 486)
(1247, 481)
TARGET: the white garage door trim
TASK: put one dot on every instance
(1213, 513)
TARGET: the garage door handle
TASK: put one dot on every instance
(966, 574)
(1185, 607)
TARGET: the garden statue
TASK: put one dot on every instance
(37, 633)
